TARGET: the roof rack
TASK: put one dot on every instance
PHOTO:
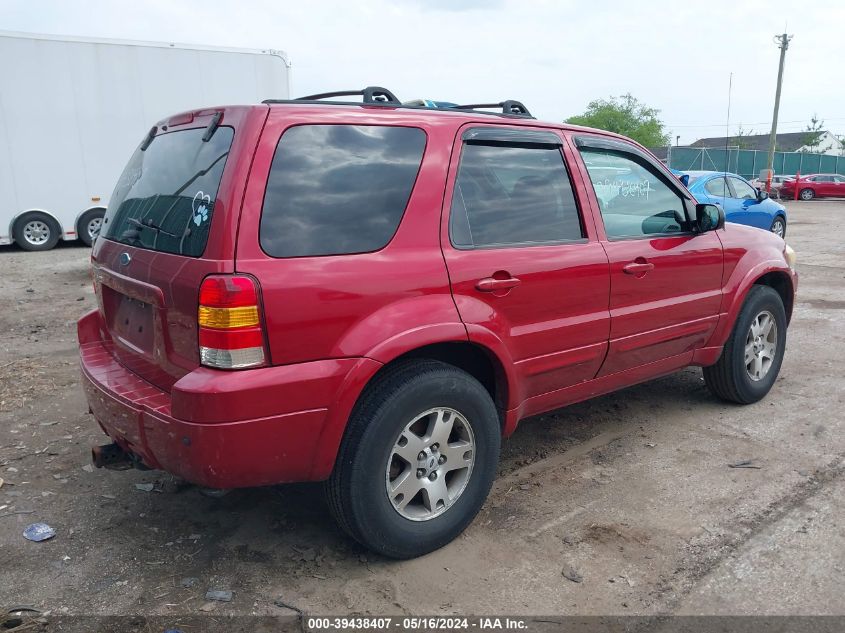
(376, 95)
(371, 95)
(510, 106)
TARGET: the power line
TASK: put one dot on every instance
(801, 121)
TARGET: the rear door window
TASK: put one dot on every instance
(165, 198)
(512, 195)
(338, 189)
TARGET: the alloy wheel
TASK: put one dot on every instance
(430, 464)
(761, 346)
(93, 228)
(36, 232)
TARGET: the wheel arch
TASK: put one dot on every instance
(479, 361)
(782, 284)
(771, 274)
(96, 207)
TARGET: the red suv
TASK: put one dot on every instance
(373, 295)
(814, 186)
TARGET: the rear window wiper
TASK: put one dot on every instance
(149, 224)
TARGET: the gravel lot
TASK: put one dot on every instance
(632, 491)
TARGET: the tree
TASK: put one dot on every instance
(741, 138)
(813, 136)
(627, 116)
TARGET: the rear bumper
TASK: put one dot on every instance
(214, 428)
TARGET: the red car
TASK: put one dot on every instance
(373, 295)
(814, 186)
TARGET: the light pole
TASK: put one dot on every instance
(783, 43)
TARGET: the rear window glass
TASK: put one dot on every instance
(164, 200)
(338, 189)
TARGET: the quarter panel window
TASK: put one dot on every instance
(633, 200)
(338, 189)
(512, 195)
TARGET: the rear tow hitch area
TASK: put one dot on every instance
(113, 457)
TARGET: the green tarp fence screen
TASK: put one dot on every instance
(749, 163)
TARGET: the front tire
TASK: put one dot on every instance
(417, 461)
(807, 194)
(753, 354)
(36, 231)
(779, 226)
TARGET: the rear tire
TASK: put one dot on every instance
(807, 194)
(88, 227)
(779, 226)
(753, 354)
(36, 231)
(410, 403)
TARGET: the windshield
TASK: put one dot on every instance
(165, 197)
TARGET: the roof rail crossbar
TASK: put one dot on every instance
(371, 94)
(508, 107)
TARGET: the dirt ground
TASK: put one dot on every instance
(632, 491)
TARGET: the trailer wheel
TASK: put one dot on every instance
(36, 231)
(89, 225)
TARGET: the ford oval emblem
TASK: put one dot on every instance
(125, 259)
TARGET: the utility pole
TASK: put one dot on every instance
(783, 43)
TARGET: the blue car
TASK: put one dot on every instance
(741, 202)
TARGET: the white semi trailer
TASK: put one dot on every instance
(72, 111)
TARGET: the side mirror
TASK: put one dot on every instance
(684, 178)
(709, 217)
(762, 195)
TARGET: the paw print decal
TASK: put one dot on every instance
(200, 205)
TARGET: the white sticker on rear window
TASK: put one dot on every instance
(200, 206)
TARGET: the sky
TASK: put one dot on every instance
(554, 56)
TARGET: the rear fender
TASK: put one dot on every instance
(338, 415)
(403, 326)
(399, 329)
(383, 336)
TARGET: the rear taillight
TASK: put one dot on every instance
(229, 317)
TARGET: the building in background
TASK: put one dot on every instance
(822, 142)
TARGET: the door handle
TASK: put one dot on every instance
(638, 268)
(491, 284)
